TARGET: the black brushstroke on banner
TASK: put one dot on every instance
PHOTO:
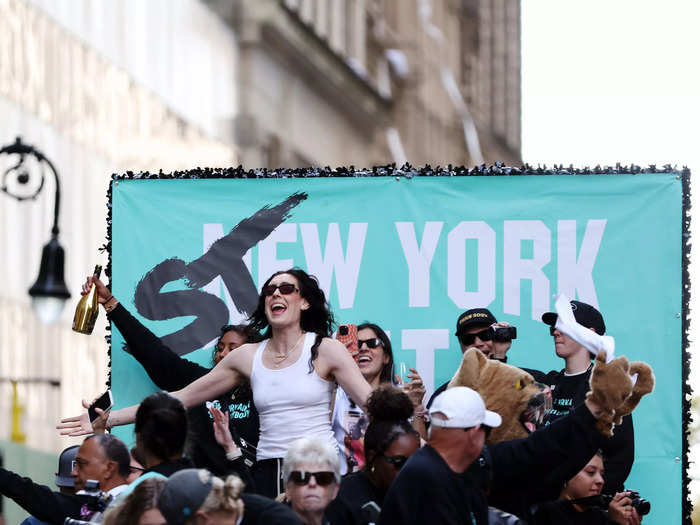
(224, 258)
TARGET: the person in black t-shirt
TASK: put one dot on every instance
(431, 487)
(389, 441)
(570, 385)
(475, 329)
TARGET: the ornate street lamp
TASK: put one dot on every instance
(49, 293)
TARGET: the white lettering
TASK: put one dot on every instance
(268, 263)
(346, 268)
(516, 268)
(419, 259)
(425, 342)
(575, 275)
(456, 264)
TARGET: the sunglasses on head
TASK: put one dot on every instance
(396, 461)
(374, 342)
(284, 288)
(484, 335)
(324, 478)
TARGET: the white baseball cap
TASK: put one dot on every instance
(463, 408)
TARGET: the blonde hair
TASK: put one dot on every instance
(225, 496)
(144, 497)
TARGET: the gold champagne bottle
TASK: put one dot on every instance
(87, 309)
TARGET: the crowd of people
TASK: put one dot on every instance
(289, 427)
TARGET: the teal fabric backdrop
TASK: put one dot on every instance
(412, 254)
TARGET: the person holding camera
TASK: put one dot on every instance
(478, 328)
(103, 459)
(581, 503)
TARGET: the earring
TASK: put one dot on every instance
(372, 469)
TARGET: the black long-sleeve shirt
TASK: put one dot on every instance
(40, 501)
(171, 372)
(569, 392)
(534, 469)
(427, 491)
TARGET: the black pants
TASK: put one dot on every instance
(267, 476)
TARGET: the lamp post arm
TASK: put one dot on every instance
(57, 194)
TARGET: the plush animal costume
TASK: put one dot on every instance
(522, 403)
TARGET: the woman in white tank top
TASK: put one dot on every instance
(291, 372)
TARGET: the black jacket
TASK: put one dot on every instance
(40, 501)
(618, 450)
(534, 469)
(171, 372)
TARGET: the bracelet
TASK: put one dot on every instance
(234, 454)
(109, 307)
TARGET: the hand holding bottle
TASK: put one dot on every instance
(103, 293)
(87, 309)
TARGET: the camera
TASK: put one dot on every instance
(99, 502)
(504, 333)
(641, 505)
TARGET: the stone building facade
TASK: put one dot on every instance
(104, 86)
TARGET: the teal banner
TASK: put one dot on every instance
(411, 254)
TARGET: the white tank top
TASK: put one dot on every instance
(292, 403)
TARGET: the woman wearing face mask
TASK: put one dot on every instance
(389, 441)
(375, 360)
(588, 483)
(291, 372)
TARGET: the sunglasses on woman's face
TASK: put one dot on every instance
(396, 461)
(484, 335)
(371, 343)
(284, 288)
(299, 477)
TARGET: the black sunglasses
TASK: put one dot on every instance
(396, 461)
(374, 342)
(324, 478)
(484, 335)
(284, 288)
(551, 330)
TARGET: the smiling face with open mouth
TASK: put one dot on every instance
(370, 360)
(283, 301)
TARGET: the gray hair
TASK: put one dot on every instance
(311, 450)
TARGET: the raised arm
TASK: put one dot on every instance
(165, 368)
(341, 366)
(221, 378)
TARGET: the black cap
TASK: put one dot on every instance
(584, 314)
(474, 317)
(65, 467)
(183, 494)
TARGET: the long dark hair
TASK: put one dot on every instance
(317, 318)
(388, 408)
(161, 423)
(387, 373)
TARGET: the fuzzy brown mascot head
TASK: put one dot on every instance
(506, 390)
(522, 403)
